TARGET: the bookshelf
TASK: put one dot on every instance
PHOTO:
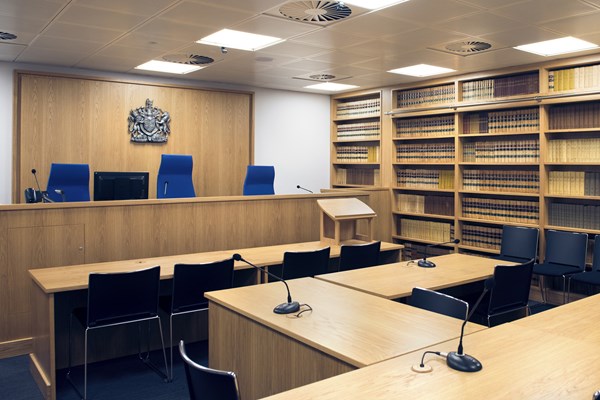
(465, 155)
(356, 140)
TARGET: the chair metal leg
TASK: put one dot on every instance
(85, 366)
(164, 376)
(69, 379)
(541, 286)
(569, 290)
(171, 342)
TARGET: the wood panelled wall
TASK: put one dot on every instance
(84, 120)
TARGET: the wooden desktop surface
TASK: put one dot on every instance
(355, 327)
(520, 361)
(347, 329)
(74, 277)
(397, 280)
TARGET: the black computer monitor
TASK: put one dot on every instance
(120, 185)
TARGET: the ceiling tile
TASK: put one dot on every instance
(427, 12)
(81, 32)
(33, 9)
(138, 7)
(108, 63)
(576, 26)
(251, 6)
(277, 27)
(23, 38)
(142, 55)
(8, 52)
(329, 39)
(174, 30)
(480, 23)
(152, 42)
(292, 49)
(536, 11)
(39, 55)
(82, 47)
(374, 25)
(205, 15)
(490, 4)
(421, 38)
(309, 65)
(515, 37)
(88, 16)
(11, 24)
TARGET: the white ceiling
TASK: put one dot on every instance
(117, 35)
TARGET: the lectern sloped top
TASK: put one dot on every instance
(351, 208)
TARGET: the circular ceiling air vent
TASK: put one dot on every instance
(190, 59)
(322, 77)
(468, 47)
(7, 36)
(316, 11)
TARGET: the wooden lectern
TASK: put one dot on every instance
(340, 217)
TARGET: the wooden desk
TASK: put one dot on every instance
(346, 330)
(49, 341)
(397, 280)
(519, 362)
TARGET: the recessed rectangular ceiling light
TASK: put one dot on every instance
(330, 86)
(554, 47)
(240, 40)
(421, 70)
(168, 67)
(373, 4)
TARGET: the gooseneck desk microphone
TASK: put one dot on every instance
(284, 308)
(424, 263)
(305, 189)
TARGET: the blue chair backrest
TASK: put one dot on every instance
(72, 179)
(175, 177)
(440, 303)
(566, 248)
(259, 180)
(519, 244)
(596, 255)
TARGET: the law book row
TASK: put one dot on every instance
(484, 237)
(574, 183)
(358, 176)
(522, 211)
(427, 230)
(505, 86)
(509, 121)
(574, 215)
(425, 152)
(361, 130)
(574, 116)
(425, 126)
(501, 181)
(506, 151)
(425, 179)
(584, 77)
(585, 150)
(426, 96)
(358, 108)
(357, 154)
(420, 204)
(414, 251)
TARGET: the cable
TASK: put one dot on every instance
(299, 314)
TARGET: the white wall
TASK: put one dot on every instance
(291, 129)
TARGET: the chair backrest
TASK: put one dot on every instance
(191, 281)
(356, 256)
(439, 303)
(259, 180)
(299, 264)
(72, 179)
(206, 383)
(175, 177)
(566, 248)
(519, 244)
(596, 255)
(511, 288)
(123, 296)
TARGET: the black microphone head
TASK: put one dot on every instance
(456, 241)
(33, 171)
(489, 283)
(237, 257)
(297, 186)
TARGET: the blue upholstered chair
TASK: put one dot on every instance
(175, 177)
(592, 277)
(519, 244)
(259, 180)
(73, 180)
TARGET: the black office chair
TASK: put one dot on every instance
(440, 303)
(299, 264)
(356, 256)
(519, 244)
(509, 295)
(206, 383)
(565, 255)
(591, 278)
(190, 282)
(117, 299)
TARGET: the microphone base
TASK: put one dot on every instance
(463, 362)
(426, 264)
(287, 308)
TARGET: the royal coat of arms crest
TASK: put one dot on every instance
(149, 124)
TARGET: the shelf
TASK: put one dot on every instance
(496, 222)
(499, 164)
(571, 229)
(480, 249)
(356, 141)
(568, 197)
(358, 164)
(573, 164)
(344, 185)
(407, 139)
(574, 130)
(508, 194)
(436, 216)
(408, 239)
(367, 116)
(423, 189)
(468, 135)
(423, 164)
